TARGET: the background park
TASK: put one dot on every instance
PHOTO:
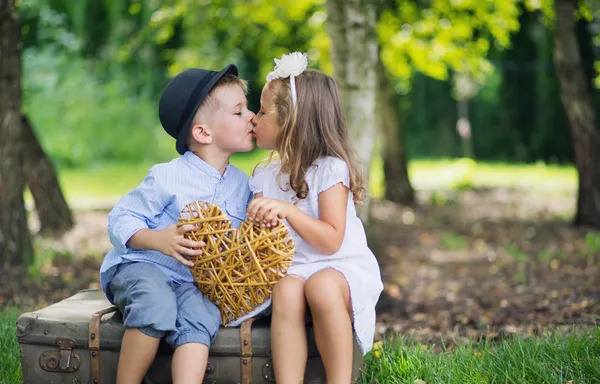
(477, 122)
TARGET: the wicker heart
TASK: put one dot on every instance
(238, 268)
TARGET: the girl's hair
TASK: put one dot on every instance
(313, 128)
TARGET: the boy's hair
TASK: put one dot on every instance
(315, 127)
(211, 104)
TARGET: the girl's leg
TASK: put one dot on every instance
(288, 330)
(328, 297)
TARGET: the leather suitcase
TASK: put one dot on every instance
(77, 340)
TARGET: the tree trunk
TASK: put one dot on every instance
(15, 241)
(518, 94)
(397, 184)
(351, 25)
(577, 101)
(53, 212)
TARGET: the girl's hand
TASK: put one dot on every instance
(267, 212)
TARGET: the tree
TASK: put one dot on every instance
(15, 242)
(577, 101)
(351, 25)
(395, 167)
(397, 183)
(22, 159)
(52, 208)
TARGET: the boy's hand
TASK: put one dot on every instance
(267, 212)
(170, 241)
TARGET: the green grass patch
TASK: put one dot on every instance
(563, 359)
(112, 180)
(453, 241)
(10, 361)
(446, 173)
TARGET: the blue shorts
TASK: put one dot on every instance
(159, 307)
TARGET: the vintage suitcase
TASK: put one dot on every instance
(78, 340)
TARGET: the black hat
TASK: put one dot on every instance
(182, 97)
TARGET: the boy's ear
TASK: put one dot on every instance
(201, 133)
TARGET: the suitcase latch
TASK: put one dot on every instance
(64, 360)
(268, 372)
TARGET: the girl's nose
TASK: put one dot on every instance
(253, 119)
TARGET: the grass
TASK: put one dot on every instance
(435, 173)
(547, 360)
(10, 361)
(110, 181)
(572, 359)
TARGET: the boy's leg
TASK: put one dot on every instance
(189, 363)
(143, 294)
(198, 322)
(328, 297)
(288, 330)
(137, 353)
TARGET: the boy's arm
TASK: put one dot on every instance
(131, 221)
(137, 210)
(170, 241)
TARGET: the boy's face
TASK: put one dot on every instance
(232, 121)
(267, 129)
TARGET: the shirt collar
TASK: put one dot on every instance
(202, 165)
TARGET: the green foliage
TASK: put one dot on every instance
(546, 256)
(81, 119)
(116, 57)
(445, 35)
(591, 252)
(514, 251)
(592, 241)
(249, 34)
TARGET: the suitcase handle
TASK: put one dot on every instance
(94, 344)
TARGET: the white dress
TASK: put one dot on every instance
(354, 259)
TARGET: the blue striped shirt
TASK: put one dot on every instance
(157, 202)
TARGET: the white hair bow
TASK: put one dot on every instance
(290, 65)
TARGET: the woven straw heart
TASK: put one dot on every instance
(238, 268)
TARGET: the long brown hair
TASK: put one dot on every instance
(313, 128)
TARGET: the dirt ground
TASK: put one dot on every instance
(462, 265)
(486, 263)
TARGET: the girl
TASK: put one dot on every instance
(313, 186)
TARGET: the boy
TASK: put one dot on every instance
(146, 275)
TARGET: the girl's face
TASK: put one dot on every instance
(266, 127)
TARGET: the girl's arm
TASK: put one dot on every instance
(325, 234)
